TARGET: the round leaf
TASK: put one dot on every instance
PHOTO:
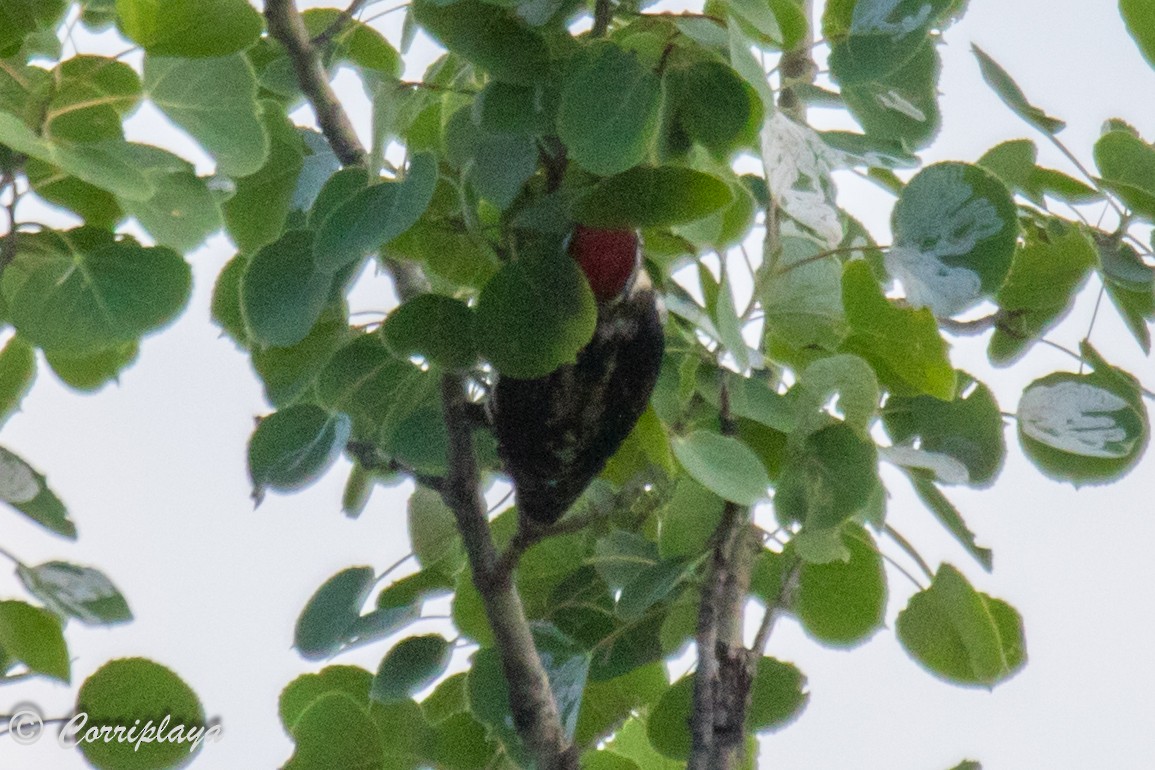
(1088, 428)
(411, 665)
(190, 28)
(282, 292)
(964, 636)
(534, 315)
(435, 327)
(294, 447)
(652, 197)
(724, 465)
(35, 637)
(130, 689)
(609, 109)
(955, 227)
(299, 694)
(67, 296)
(215, 100)
(668, 725)
(842, 603)
(778, 696)
(375, 216)
(327, 620)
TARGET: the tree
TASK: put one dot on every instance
(523, 128)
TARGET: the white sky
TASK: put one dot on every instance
(153, 471)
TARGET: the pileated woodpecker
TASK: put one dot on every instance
(556, 433)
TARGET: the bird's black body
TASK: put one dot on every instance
(556, 433)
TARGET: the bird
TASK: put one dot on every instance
(556, 433)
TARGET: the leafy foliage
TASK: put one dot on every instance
(788, 377)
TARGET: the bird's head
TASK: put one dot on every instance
(610, 259)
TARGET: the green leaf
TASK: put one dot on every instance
(102, 164)
(969, 428)
(621, 556)
(609, 111)
(1046, 274)
(83, 593)
(303, 691)
(255, 215)
(336, 731)
(649, 196)
(338, 188)
(961, 635)
(433, 529)
(282, 291)
(375, 216)
(1130, 284)
(689, 520)
(714, 104)
(1139, 16)
(1006, 88)
(289, 373)
(724, 465)
(803, 298)
(215, 100)
(35, 637)
(90, 372)
(69, 292)
(189, 28)
(631, 743)
(357, 43)
(17, 373)
(827, 478)
(535, 315)
(847, 377)
(951, 519)
(500, 166)
(411, 665)
(606, 704)
(93, 95)
(488, 36)
(327, 621)
(778, 697)
(366, 381)
(1126, 163)
(22, 18)
(843, 603)
(503, 108)
(652, 585)
(22, 487)
(226, 301)
(97, 207)
(181, 212)
(880, 36)
(902, 106)
(294, 447)
(435, 327)
(668, 724)
(955, 227)
(902, 344)
(1089, 428)
(125, 690)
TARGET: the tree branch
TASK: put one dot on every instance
(531, 699)
(725, 670)
(287, 27)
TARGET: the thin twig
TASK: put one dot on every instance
(286, 25)
(603, 16)
(339, 23)
(780, 603)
